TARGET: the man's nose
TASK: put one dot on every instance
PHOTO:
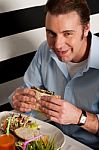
(59, 42)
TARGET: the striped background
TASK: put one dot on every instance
(21, 32)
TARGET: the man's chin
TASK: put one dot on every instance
(64, 60)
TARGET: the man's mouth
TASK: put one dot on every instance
(62, 53)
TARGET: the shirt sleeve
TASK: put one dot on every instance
(34, 74)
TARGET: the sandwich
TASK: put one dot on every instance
(42, 92)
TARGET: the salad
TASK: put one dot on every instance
(18, 120)
(44, 143)
(24, 129)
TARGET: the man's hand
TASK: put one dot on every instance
(59, 110)
(24, 99)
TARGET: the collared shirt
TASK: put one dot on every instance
(47, 71)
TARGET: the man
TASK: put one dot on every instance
(67, 63)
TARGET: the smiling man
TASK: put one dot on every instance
(67, 36)
(67, 63)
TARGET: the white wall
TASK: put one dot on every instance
(18, 44)
(21, 43)
(10, 5)
(94, 20)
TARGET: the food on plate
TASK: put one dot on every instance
(23, 128)
(26, 133)
(42, 92)
(50, 138)
(18, 120)
(43, 143)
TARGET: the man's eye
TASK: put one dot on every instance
(67, 34)
(50, 34)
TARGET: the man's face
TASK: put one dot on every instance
(66, 36)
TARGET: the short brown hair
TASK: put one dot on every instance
(57, 7)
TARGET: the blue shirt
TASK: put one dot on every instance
(47, 71)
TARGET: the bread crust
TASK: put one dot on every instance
(41, 92)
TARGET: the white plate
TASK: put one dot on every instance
(46, 129)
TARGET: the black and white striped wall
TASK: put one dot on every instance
(21, 32)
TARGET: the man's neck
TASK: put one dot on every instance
(88, 44)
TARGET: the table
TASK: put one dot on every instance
(71, 144)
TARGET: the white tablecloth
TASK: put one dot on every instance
(71, 144)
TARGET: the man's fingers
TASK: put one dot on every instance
(25, 91)
(22, 106)
(24, 98)
(50, 106)
(52, 99)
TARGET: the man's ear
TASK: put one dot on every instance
(86, 29)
